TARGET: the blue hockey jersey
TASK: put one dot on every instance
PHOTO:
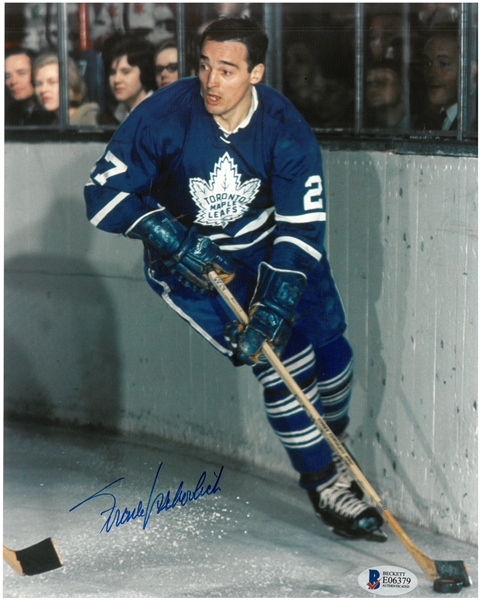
(261, 185)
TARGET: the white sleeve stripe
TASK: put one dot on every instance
(308, 218)
(142, 217)
(258, 222)
(252, 226)
(305, 247)
(220, 236)
(233, 247)
(108, 208)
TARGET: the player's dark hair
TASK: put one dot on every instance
(239, 29)
(141, 54)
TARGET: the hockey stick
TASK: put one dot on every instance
(439, 571)
(36, 559)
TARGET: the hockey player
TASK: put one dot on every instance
(220, 170)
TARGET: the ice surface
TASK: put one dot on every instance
(256, 537)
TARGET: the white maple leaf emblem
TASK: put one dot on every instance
(224, 198)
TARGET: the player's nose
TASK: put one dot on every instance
(212, 79)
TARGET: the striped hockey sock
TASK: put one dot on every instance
(334, 371)
(308, 450)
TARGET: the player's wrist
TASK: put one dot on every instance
(162, 231)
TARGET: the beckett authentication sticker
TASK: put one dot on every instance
(387, 580)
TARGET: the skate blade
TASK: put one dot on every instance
(378, 535)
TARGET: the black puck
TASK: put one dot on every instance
(447, 585)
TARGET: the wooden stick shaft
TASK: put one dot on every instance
(424, 562)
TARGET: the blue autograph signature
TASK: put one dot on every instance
(158, 503)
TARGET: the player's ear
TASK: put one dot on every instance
(257, 74)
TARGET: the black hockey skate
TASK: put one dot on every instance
(346, 514)
(345, 476)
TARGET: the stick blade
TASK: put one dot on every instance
(454, 569)
(39, 558)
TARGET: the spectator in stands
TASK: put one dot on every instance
(435, 13)
(441, 53)
(385, 98)
(46, 80)
(319, 79)
(154, 21)
(23, 107)
(302, 76)
(166, 63)
(337, 104)
(383, 30)
(131, 74)
(224, 9)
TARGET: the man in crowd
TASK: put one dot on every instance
(441, 78)
(219, 171)
(24, 107)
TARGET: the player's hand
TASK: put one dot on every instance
(271, 315)
(247, 340)
(185, 252)
(194, 258)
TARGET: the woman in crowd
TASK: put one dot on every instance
(131, 75)
(166, 63)
(46, 82)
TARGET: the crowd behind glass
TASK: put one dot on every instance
(128, 51)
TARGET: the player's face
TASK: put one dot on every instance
(47, 87)
(166, 67)
(441, 71)
(226, 82)
(18, 76)
(125, 82)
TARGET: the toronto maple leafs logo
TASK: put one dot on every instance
(224, 198)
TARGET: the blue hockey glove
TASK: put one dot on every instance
(271, 314)
(186, 253)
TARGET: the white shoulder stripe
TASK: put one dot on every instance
(108, 208)
(305, 247)
(251, 226)
(233, 247)
(258, 222)
(307, 218)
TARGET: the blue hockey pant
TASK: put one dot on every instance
(318, 356)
